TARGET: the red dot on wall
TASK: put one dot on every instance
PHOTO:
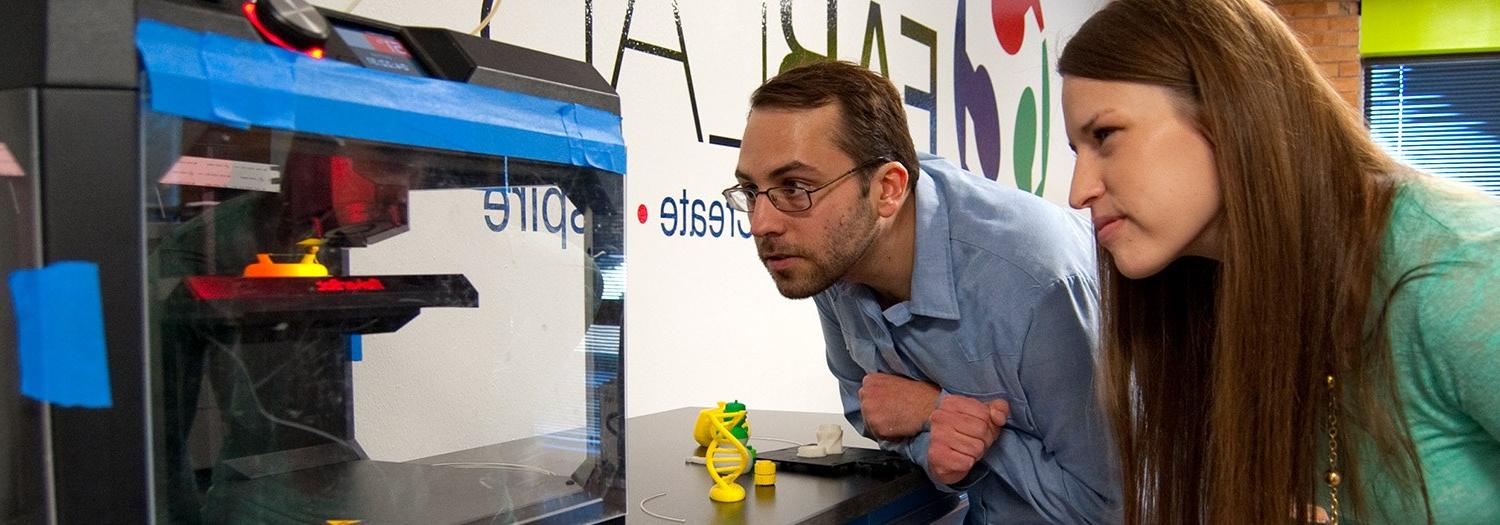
(640, 213)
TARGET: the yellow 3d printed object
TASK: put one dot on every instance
(307, 267)
(727, 455)
(765, 473)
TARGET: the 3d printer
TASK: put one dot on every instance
(319, 303)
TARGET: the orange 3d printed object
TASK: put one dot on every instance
(307, 267)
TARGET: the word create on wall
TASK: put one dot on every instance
(699, 218)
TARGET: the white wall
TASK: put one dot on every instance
(450, 379)
(703, 321)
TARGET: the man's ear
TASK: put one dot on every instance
(889, 184)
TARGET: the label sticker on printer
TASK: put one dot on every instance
(8, 165)
(222, 173)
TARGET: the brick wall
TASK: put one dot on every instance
(1330, 30)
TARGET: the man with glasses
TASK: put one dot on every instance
(958, 315)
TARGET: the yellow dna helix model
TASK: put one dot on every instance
(724, 431)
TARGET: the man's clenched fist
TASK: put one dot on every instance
(962, 429)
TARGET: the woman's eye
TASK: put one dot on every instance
(1102, 133)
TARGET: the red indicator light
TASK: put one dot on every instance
(249, 9)
(210, 289)
(369, 284)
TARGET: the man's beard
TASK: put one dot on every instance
(844, 247)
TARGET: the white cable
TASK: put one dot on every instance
(653, 514)
(352, 5)
(486, 22)
(763, 438)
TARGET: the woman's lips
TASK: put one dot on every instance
(1105, 228)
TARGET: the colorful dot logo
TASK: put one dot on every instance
(1010, 21)
(640, 213)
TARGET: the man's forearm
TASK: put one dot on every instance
(1079, 492)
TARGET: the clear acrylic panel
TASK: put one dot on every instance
(22, 481)
(459, 361)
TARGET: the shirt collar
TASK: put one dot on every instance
(933, 293)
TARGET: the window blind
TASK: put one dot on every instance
(1441, 116)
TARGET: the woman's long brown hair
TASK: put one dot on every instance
(1213, 371)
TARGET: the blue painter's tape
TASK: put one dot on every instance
(356, 348)
(60, 334)
(219, 79)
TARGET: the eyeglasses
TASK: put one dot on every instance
(788, 198)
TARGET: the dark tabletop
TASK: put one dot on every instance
(658, 446)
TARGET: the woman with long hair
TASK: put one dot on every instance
(1297, 327)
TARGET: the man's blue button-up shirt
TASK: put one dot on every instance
(1003, 305)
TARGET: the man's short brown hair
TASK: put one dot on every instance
(872, 117)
